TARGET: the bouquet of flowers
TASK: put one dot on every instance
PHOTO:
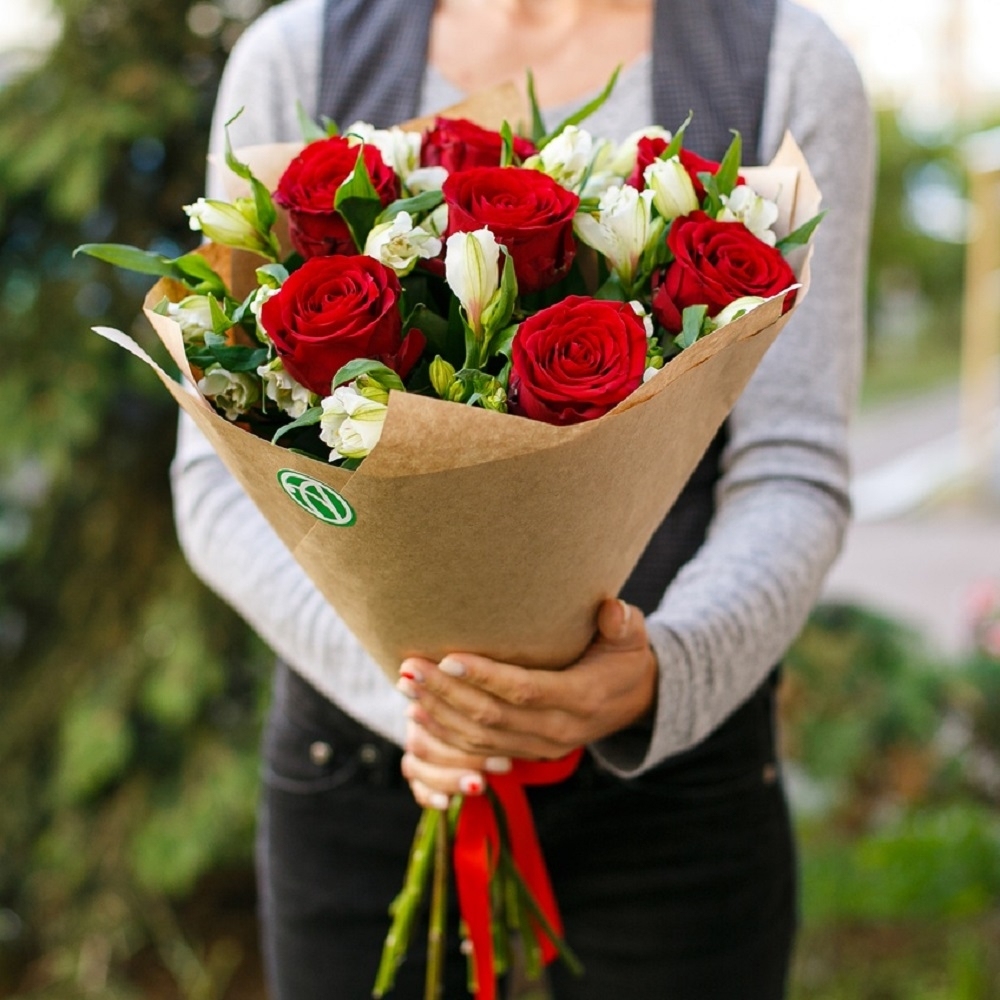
(594, 309)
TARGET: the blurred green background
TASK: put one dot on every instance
(132, 699)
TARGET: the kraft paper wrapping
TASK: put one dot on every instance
(468, 530)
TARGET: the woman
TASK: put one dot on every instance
(670, 849)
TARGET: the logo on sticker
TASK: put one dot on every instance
(318, 499)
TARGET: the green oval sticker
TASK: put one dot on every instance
(318, 499)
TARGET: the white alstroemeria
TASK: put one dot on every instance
(194, 316)
(437, 222)
(233, 392)
(352, 423)
(263, 293)
(426, 179)
(673, 190)
(622, 229)
(647, 321)
(232, 225)
(649, 373)
(400, 150)
(288, 395)
(566, 158)
(472, 271)
(758, 214)
(399, 244)
(736, 309)
(623, 160)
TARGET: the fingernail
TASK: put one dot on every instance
(410, 673)
(451, 667)
(497, 765)
(439, 800)
(471, 784)
(406, 686)
(626, 615)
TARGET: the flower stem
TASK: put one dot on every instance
(405, 906)
(434, 982)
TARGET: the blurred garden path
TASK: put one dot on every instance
(925, 537)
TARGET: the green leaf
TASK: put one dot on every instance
(308, 419)
(191, 269)
(311, 132)
(358, 202)
(434, 327)
(537, 123)
(272, 275)
(712, 202)
(612, 290)
(507, 149)
(267, 214)
(232, 357)
(426, 201)
(801, 236)
(385, 376)
(693, 321)
(675, 144)
(497, 316)
(221, 323)
(729, 169)
(585, 112)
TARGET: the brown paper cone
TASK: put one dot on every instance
(468, 530)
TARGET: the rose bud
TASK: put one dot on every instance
(458, 144)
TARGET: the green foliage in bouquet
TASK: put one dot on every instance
(132, 698)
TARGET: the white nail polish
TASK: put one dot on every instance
(453, 668)
(439, 800)
(497, 765)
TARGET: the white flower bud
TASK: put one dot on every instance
(232, 392)
(289, 396)
(736, 309)
(756, 213)
(351, 424)
(623, 228)
(566, 158)
(400, 150)
(399, 244)
(647, 321)
(673, 190)
(232, 225)
(472, 270)
(623, 161)
(194, 316)
(426, 179)
(263, 293)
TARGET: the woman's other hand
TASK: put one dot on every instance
(482, 708)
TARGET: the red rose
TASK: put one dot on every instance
(650, 148)
(308, 188)
(458, 144)
(575, 360)
(715, 263)
(526, 210)
(333, 310)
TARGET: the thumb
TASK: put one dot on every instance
(621, 624)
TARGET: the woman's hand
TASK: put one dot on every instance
(480, 708)
(437, 771)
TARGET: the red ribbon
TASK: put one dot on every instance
(476, 854)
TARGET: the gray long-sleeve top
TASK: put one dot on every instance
(782, 500)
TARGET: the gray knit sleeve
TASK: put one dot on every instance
(782, 501)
